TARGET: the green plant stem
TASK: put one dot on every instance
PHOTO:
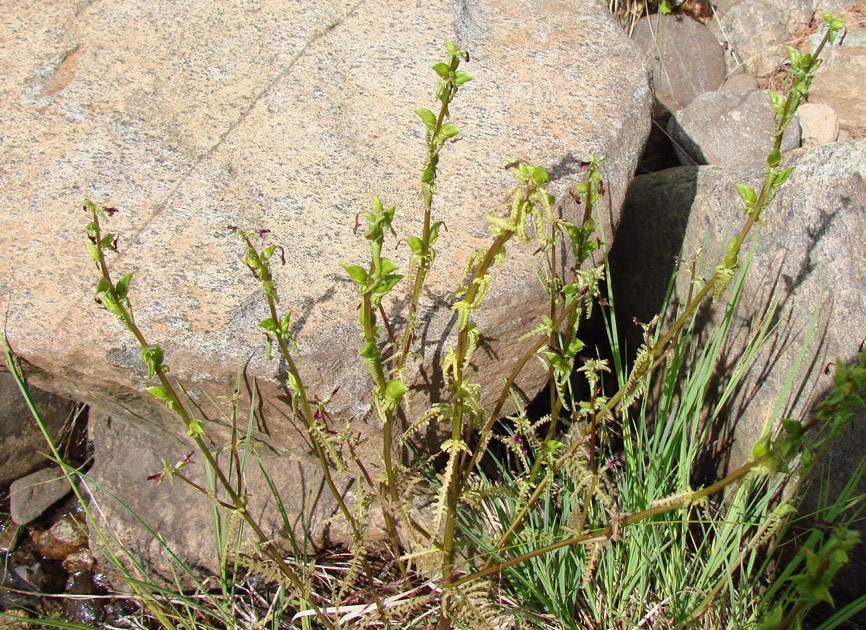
(323, 459)
(761, 203)
(387, 489)
(236, 500)
(433, 149)
(606, 533)
(493, 416)
(18, 374)
(457, 420)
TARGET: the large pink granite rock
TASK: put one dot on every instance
(194, 116)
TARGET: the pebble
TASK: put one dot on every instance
(30, 496)
(67, 536)
(819, 123)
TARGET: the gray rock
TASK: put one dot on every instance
(839, 82)
(30, 496)
(127, 452)
(809, 257)
(740, 82)
(756, 31)
(819, 123)
(728, 128)
(21, 441)
(285, 118)
(685, 58)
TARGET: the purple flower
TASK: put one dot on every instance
(154, 477)
(111, 211)
(261, 233)
(187, 459)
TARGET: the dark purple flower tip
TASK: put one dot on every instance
(602, 301)
(583, 166)
(187, 459)
(317, 415)
(154, 477)
(261, 233)
(517, 439)
(330, 432)
(111, 211)
(334, 393)
(233, 228)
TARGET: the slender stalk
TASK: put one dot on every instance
(605, 533)
(763, 200)
(425, 262)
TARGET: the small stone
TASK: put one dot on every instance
(30, 496)
(20, 437)
(65, 537)
(819, 123)
(78, 561)
(728, 128)
(841, 87)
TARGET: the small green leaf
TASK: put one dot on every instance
(442, 69)
(539, 175)
(792, 427)
(782, 175)
(461, 77)
(195, 429)
(270, 290)
(761, 447)
(777, 101)
(103, 285)
(428, 175)
(152, 358)
(795, 56)
(395, 389)
(428, 117)
(448, 130)
(747, 194)
(122, 286)
(368, 351)
(269, 324)
(356, 273)
(389, 265)
(157, 392)
(434, 231)
(386, 283)
(415, 244)
(774, 157)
